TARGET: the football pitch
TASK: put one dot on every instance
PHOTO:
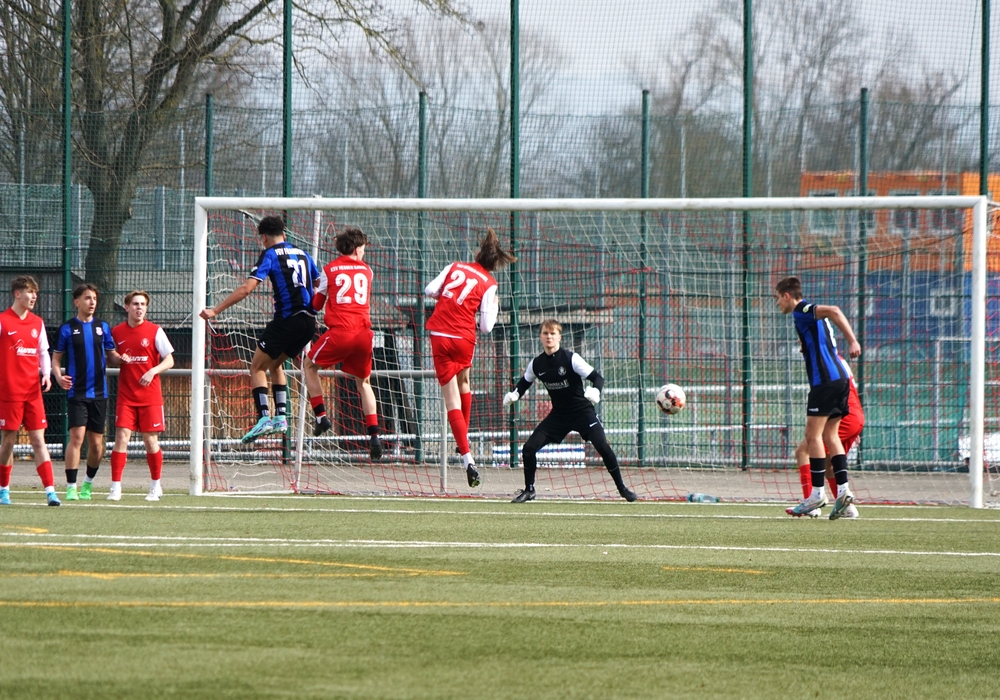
(324, 597)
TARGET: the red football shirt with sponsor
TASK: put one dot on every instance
(346, 283)
(460, 297)
(142, 348)
(22, 345)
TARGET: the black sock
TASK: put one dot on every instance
(839, 464)
(817, 470)
(319, 410)
(373, 430)
(260, 401)
(280, 398)
(71, 476)
(92, 471)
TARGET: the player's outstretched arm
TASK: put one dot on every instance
(838, 319)
(489, 310)
(235, 297)
(523, 384)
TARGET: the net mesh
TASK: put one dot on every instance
(681, 290)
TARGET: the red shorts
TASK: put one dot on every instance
(30, 413)
(451, 356)
(352, 351)
(144, 419)
(850, 429)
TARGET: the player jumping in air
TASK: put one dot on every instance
(829, 388)
(24, 374)
(461, 290)
(145, 354)
(345, 288)
(849, 431)
(89, 349)
(562, 372)
(293, 276)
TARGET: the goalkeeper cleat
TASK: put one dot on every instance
(4, 497)
(279, 425)
(71, 494)
(815, 501)
(841, 505)
(628, 494)
(374, 447)
(472, 475)
(115, 494)
(86, 488)
(52, 498)
(524, 496)
(263, 427)
(322, 425)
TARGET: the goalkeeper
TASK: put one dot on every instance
(562, 372)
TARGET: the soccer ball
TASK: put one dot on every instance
(670, 399)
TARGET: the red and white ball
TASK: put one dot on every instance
(670, 399)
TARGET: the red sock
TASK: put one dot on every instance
(832, 483)
(5, 475)
(45, 473)
(319, 410)
(118, 460)
(466, 408)
(805, 478)
(371, 421)
(155, 462)
(460, 429)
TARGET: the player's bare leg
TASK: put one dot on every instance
(95, 453)
(154, 458)
(459, 428)
(261, 365)
(76, 438)
(314, 389)
(815, 426)
(838, 461)
(7, 440)
(370, 412)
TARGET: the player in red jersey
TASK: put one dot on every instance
(461, 290)
(25, 367)
(145, 354)
(348, 339)
(849, 431)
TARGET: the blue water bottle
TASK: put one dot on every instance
(702, 498)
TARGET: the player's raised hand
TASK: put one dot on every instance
(592, 394)
(208, 313)
(510, 398)
(65, 381)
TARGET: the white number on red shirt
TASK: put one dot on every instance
(457, 280)
(343, 282)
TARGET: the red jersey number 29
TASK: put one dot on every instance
(344, 296)
(457, 280)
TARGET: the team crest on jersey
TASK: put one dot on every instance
(562, 371)
(145, 342)
(34, 332)
(99, 331)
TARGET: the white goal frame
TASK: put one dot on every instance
(978, 205)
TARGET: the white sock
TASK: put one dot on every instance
(50, 489)
(467, 460)
(842, 489)
(154, 483)
(116, 485)
(88, 479)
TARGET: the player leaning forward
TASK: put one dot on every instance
(829, 387)
(145, 354)
(562, 372)
(24, 374)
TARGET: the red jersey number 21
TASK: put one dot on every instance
(457, 280)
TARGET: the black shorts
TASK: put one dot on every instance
(555, 427)
(287, 336)
(92, 413)
(829, 399)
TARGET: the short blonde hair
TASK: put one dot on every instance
(551, 324)
(23, 282)
(136, 293)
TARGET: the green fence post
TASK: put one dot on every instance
(643, 266)
(67, 176)
(286, 105)
(209, 143)
(863, 249)
(984, 104)
(418, 332)
(747, 192)
(515, 193)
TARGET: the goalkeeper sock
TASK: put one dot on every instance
(805, 478)
(280, 399)
(260, 401)
(155, 462)
(45, 474)
(118, 460)
(319, 408)
(71, 475)
(466, 407)
(371, 423)
(460, 429)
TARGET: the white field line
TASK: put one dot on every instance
(85, 540)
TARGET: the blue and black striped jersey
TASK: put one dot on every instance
(293, 275)
(86, 345)
(819, 347)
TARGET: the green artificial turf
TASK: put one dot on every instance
(401, 598)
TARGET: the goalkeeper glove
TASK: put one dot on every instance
(510, 398)
(592, 394)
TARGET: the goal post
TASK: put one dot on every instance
(579, 261)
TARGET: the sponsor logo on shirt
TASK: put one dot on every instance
(556, 385)
(134, 359)
(76, 331)
(21, 351)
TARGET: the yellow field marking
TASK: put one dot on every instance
(25, 528)
(114, 575)
(715, 569)
(325, 604)
(385, 570)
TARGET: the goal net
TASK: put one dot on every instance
(648, 292)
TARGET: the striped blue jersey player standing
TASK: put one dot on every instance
(89, 349)
(293, 276)
(829, 387)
